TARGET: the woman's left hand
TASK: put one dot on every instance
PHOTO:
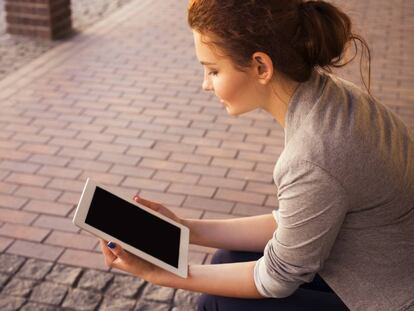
(118, 258)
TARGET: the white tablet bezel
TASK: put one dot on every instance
(82, 211)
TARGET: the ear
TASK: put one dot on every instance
(263, 67)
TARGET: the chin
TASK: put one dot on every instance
(236, 112)
(231, 111)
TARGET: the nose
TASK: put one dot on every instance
(207, 86)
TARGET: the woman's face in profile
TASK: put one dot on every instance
(236, 90)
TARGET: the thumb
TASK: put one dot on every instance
(152, 205)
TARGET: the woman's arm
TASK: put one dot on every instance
(232, 280)
(243, 234)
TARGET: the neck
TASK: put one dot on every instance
(279, 95)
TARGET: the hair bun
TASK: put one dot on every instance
(312, 3)
(326, 31)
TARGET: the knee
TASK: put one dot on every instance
(206, 303)
(226, 256)
(222, 256)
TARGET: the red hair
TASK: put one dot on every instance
(297, 35)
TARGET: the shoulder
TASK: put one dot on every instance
(331, 131)
(305, 174)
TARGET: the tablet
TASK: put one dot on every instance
(137, 228)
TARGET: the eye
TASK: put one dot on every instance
(213, 73)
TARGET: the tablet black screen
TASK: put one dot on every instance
(134, 226)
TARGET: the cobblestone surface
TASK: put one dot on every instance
(95, 280)
(117, 303)
(16, 51)
(82, 300)
(122, 104)
(159, 294)
(63, 274)
(49, 293)
(125, 286)
(35, 269)
(18, 287)
(10, 263)
(71, 288)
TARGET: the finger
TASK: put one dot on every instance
(152, 205)
(118, 251)
(106, 251)
(109, 257)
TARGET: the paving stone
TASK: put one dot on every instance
(8, 303)
(152, 306)
(186, 298)
(35, 269)
(94, 279)
(3, 279)
(18, 287)
(82, 300)
(4, 242)
(184, 308)
(16, 51)
(87, 12)
(64, 274)
(126, 286)
(87, 259)
(35, 250)
(49, 293)
(117, 304)
(10, 263)
(158, 293)
(38, 307)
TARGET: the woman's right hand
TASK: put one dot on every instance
(158, 208)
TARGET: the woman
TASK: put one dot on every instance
(343, 236)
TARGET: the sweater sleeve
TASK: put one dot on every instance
(312, 207)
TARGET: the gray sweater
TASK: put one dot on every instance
(346, 200)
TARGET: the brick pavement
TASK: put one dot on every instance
(16, 51)
(121, 103)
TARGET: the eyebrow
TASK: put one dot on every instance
(206, 63)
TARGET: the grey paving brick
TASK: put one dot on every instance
(3, 279)
(18, 287)
(64, 274)
(183, 308)
(10, 263)
(158, 293)
(82, 300)
(125, 286)
(152, 306)
(9, 303)
(186, 299)
(30, 306)
(117, 304)
(35, 269)
(95, 280)
(49, 293)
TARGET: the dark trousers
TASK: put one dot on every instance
(314, 296)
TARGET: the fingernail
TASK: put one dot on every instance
(111, 245)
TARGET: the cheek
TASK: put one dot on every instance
(231, 88)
